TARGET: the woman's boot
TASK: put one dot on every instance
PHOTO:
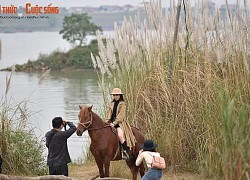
(125, 155)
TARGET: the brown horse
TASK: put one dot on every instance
(105, 144)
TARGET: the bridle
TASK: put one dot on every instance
(87, 124)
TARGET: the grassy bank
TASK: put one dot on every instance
(199, 114)
(76, 58)
(20, 149)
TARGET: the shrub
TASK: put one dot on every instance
(21, 150)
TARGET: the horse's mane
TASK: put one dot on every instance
(98, 118)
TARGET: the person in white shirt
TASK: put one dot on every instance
(146, 153)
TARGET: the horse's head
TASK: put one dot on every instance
(85, 119)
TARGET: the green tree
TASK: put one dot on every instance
(76, 27)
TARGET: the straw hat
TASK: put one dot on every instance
(116, 91)
(148, 145)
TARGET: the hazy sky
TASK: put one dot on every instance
(69, 3)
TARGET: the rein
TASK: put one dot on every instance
(99, 128)
(87, 124)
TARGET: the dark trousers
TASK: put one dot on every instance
(58, 170)
(1, 162)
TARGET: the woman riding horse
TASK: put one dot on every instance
(116, 118)
(104, 142)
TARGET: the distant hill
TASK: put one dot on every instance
(103, 16)
(105, 19)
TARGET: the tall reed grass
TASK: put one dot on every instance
(21, 150)
(199, 115)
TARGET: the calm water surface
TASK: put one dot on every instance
(18, 48)
(60, 94)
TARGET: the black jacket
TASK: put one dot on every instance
(56, 142)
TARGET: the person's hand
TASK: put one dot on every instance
(112, 124)
(65, 121)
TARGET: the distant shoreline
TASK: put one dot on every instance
(54, 22)
(13, 32)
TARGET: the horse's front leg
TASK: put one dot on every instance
(100, 167)
(142, 169)
(106, 166)
(133, 168)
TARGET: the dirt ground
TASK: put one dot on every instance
(87, 172)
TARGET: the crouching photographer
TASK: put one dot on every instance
(56, 142)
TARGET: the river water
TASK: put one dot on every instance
(59, 94)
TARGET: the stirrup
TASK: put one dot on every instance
(125, 155)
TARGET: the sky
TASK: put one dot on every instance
(94, 3)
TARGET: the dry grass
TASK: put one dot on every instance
(20, 149)
(198, 114)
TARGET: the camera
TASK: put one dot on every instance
(64, 123)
